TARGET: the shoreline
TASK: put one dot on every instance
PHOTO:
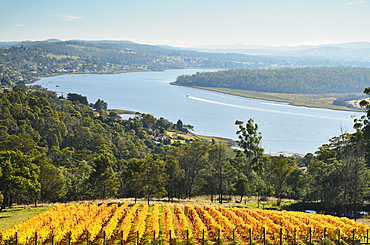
(276, 97)
(232, 136)
(228, 141)
(270, 97)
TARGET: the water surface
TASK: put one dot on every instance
(285, 129)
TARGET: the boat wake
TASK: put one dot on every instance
(264, 110)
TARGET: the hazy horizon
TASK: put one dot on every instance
(188, 23)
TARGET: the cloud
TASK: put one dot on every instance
(67, 17)
(352, 3)
(19, 25)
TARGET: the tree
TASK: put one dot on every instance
(153, 176)
(19, 177)
(363, 126)
(297, 183)
(131, 178)
(280, 168)
(220, 165)
(323, 182)
(145, 177)
(1, 194)
(340, 174)
(78, 98)
(179, 125)
(21, 142)
(103, 181)
(242, 187)
(50, 178)
(175, 176)
(249, 141)
(100, 104)
(354, 185)
(193, 157)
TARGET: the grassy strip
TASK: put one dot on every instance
(308, 100)
(13, 216)
(119, 111)
(216, 139)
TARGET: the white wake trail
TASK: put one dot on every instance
(265, 110)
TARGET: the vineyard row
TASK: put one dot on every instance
(165, 224)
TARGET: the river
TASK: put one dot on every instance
(285, 129)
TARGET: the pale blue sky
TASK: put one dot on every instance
(184, 23)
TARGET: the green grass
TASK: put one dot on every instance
(309, 100)
(13, 216)
(119, 111)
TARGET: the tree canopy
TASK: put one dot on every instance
(314, 80)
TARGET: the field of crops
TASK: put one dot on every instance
(165, 224)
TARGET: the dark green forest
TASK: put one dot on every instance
(309, 80)
(66, 149)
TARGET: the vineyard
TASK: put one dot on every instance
(165, 224)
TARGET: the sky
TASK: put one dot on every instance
(188, 23)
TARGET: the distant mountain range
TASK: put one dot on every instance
(232, 56)
(359, 51)
(353, 51)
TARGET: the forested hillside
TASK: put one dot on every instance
(26, 61)
(62, 149)
(51, 145)
(313, 80)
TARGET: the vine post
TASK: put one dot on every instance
(121, 240)
(35, 238)
(69, 238)
(52, 237)
(281, 236)
(203, 242)
(295, 236)
(338, 236)
(250, 236)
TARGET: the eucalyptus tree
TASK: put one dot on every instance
(279, 170)
(193, 158)
(148, 176)
(153, 176)
(221, 170)
(175, 177)
(103, 181)
(249, 142)
(363, 126)
(339, 175)
(19, 177)
(242, 188)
